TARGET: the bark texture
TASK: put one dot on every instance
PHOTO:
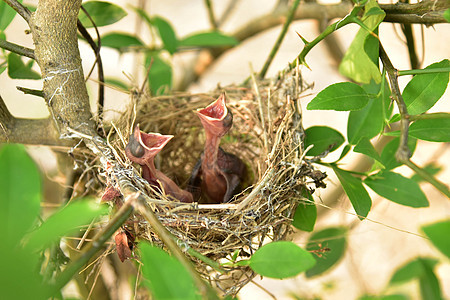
(54, 30)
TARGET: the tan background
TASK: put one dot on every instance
(377, 246)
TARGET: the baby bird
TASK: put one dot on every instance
(219, 174)
(142, 149)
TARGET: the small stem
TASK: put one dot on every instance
(403, 153)
(423, 71)
(24, 12)
(429, 116)
(431, 179)
(24, 51)
(213, 264)
(27, 91)
(212, 18)
(280, 38)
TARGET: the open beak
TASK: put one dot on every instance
(215, 115)
(143, 147)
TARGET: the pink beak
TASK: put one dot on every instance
(143, 147)
(215, 117)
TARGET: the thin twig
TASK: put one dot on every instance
(261, 110)
(441, 187)
(264, 289)
(352, 17)
(403, 153)
(24, 12)
(24, 51)
(27, 91)
(98, 59)
(280, 38)
(423, 71)
(410, 42)
(212, 18)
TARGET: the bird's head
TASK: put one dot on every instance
(216, 118)
(143, 147)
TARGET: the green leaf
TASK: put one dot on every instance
(208, 39)
(333, 241)
(422, 269)
(356, 64)
(17, 69)
(102, 13)
(160, 75)
(306, 213)
(447, 14)
(412, 270)
(439, 234)
(120, 41)
(433, 130)
(280, 260)
(370, 121)
(166, 278)
(365, 147)
(344, 152)
(166, 33)
(388, 153)
(20, 193)
(395, 118)
(355, 191)
(429, 284)
(7, 14)
(341, 96)
(398, 189)
(374, 11)
(424, 90)
(19, 266)
(323, 138)
(64, 222)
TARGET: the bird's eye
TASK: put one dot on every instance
(228, 120)
(135, 147)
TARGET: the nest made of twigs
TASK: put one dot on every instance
(267, 135)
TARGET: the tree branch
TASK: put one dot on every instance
(304, 11)
(403, 153)
(54, 30)
(425, 12)
(24, 12)
(26, 131)
(24, 51)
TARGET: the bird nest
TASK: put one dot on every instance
(266, 135)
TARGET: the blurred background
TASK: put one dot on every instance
(377, 246)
